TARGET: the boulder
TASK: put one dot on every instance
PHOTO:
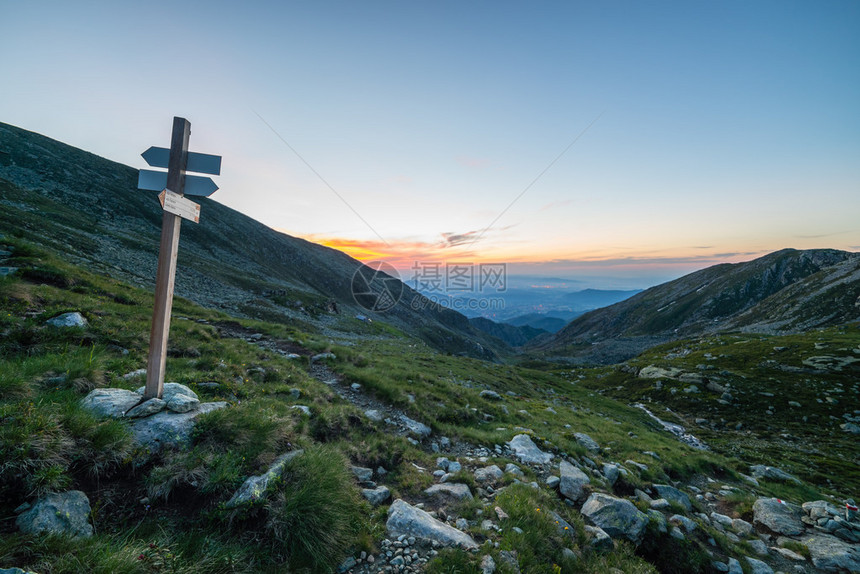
(168, 428)
(110, 402)
(829, 554)
(742, 527)
(779, 516)
(652, 372)
(573, 481)
(68, 320)
(616, 516)
(59, 513)
(405, 519)
(488, 474)
(491, 395)
(672, 494)
(681, 520)
(586, 442)
(254, 488)
(600, 540)
(376, 496)
(721, 519)
(659, 519)
(735, 567)
(361, 473)
(772, 473)
(527, 451)
(449, 490)
(611, 472)
(183, 403)
(414, 427)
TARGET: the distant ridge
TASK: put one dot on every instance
(783, 292)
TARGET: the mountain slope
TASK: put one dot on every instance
(89, 208)
(785, 291)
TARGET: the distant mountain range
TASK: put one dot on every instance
(90, 209)
(784, 292)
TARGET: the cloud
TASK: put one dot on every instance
(455, 239)
(556, 205)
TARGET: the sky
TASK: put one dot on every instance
(626, 142)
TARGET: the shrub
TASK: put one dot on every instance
(316, 512)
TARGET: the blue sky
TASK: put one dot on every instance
(704, 131)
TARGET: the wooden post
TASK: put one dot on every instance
(167, 253)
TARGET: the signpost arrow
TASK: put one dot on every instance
(178, 205)
(194, 184)
(197, 162)
(177, 160)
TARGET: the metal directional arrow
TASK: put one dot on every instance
(194, 184)
(197, 162)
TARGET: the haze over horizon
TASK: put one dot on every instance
(621, 142)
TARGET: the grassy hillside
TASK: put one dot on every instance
(167, 513)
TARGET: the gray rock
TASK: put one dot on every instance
(180, 403)
(760, 471)
(68, 320)
(758, 567)
(600, 540)
(759, 547)
(780, 517)
(829, 554)
(134, 374)
(638, 465)
(850, 428)
(561, 524)
(168, 428)
(59, 513)
(488, 565)
(611, 472)
(616, 516)
(376, 496)
(361, 473)
(492, 395)
(660, 504)
(488, 474)
(552, 481)
(6, 271)
(146, 408)
(171, 390)
(350, 562)
(652, 372)
(720, 566)
(672, 494)
(305, 410)
(573, 481)
(514, 469)
(322, 357)
(721, 519)
(527, 452)
(13, 570)
(742, 527)
(509, 558)
(587, 442)
(450, 490)
(735, 567)
(405, 519)
(254, 488)
(676, 533)
(683, 521)
(416, 428)
(110, 402)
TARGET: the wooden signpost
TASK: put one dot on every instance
(177, 160)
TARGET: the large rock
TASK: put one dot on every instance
(758, 567)
(672, 494)
(168, 428)
(573, 481)
(611, 472)
(616, 516)
(60, 513)
(110, 402)
(405, 519)
(652, 372)
(376, 496)
(68, 320)
(527, 451)
(829, 554)
(414, 427)
(779, 516)
(488, 474)
(772, 473)
(586, 442)
(450, 490)
(599, 540)
(170, 390)
(255, 487)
